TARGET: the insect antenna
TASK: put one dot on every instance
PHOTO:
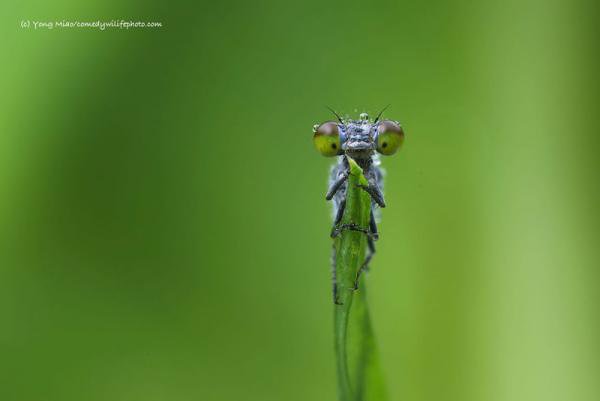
(336, 114)
(380, 113)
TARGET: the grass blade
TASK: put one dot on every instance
(359, 375)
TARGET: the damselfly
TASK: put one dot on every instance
(360, 140)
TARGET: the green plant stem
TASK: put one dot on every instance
(359, 376)
(341, 331)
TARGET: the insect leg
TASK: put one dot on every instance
(373, 190)
(370, 248)
(335, 230)
(365, 265)
(352, 227)
(373, 226)
(334, 276)
(341, 178)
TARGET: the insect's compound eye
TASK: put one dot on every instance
(327, 139)
(389, 138)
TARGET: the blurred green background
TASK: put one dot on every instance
(163, 232)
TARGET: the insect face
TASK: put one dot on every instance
(358, 139)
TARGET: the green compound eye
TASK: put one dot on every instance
(390, 138)
(327, 139)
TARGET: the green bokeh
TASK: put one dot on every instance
(163, 229)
